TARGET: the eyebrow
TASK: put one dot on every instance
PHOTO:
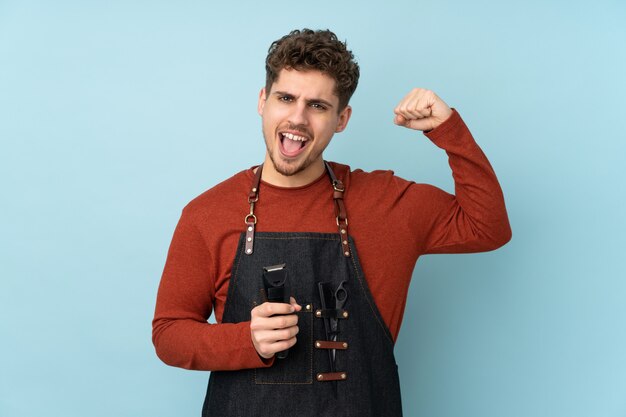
(310, 101)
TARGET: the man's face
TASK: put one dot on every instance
(300, 115)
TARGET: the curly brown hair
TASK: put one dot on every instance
(320, 50)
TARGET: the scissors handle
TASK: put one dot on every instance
(341, 295)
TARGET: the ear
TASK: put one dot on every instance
(344, 116)
(262, 99)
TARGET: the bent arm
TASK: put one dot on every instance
(475, 218)
(181, 334)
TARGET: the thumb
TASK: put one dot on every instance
(400, 120)
(295, 305)
(415, 124)
(420, 124)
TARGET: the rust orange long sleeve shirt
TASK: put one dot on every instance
(393, 222)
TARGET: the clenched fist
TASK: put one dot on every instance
(421, 110)
(273, 327)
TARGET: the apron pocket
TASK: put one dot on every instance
(297, 367)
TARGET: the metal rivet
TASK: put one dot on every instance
(318, 344)
(343, 376)
(345, 345)
(346, 253)
(320, 377)
(248, 250)
(249, 228)
(345, 242)
(307, 307)
(345, 314)
(249, 239)
(343, 231)
(254, 190)
(318, 313)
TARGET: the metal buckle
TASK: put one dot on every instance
(345, 220)
(251, 214)
(336, 188)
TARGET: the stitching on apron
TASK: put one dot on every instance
(298, 237)
(234, 273)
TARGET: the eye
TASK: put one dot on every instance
(318, 106)
(285, 98)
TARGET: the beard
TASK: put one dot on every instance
(289, 167)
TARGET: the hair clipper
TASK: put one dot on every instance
(277, 289)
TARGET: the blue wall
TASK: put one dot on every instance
(114, 114)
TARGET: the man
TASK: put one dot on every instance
(329, 351)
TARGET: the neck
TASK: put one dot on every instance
(302, 178)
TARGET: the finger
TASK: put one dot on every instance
(419, 103)
(274, 322)
(435, 107)
(420, 108)
(400, 120)
(423, 110)
(271, 336)
(286, 334)
(416, 109)
(269, 309)
(407, 109)
(411, 99)
(293, 302)
(281, 345)
(409, 113)
(420, 124)
(267, 350)
(407, 99)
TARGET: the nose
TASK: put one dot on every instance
(298, 115)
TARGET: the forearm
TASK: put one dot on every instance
(180, 332)
(191, 344)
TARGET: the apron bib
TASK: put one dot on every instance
(352, 373)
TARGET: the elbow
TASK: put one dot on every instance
(504, 240)
(160, 351)
(157, 342)
(162, 355)
(170, 358)
(501, 236)
(162, 345)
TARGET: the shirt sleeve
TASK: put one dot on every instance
(475, 218)
(181, 334)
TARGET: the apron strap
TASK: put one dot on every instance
(250, 220)
(341, 218)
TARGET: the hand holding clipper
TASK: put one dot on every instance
(273, 324)
(276, 288)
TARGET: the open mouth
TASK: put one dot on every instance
(291, 144)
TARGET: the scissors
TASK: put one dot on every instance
(340, 296)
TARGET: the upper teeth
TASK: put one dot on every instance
(294, 137)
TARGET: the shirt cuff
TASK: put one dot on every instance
(447, 131)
